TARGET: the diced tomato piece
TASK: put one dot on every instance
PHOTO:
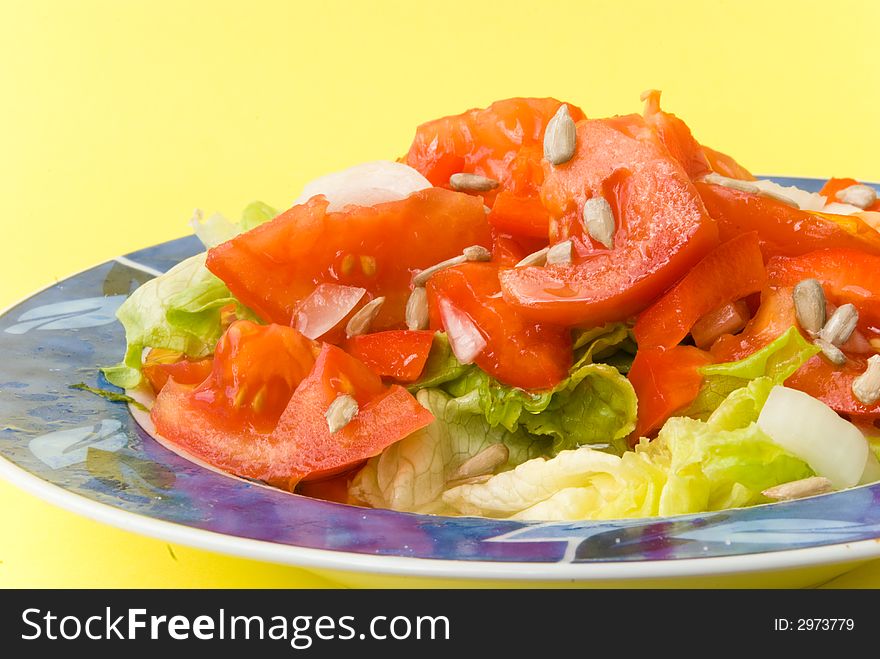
(725, 165)
(784, 230)
(276, 265)
(727, 319)
(665, 381)
(846, 275)
(835, 185)
(520, 216)
(662, 228)
(773, 318)
(255, 372)
(397, 354)
(300, 446)
(676, 136)
(833, 386)
(519, 351)
(502, 142)
(730, 272)
(161, 364)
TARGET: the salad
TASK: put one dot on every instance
(532, 314)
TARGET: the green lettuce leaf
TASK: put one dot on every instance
(692, 466)
(776, 361)
(441, 366)
(217, 229)
(179, 310)
(411, 475)
(611, 343)
(594, 405)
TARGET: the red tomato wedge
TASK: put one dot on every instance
(503, 142)
(665, 381)
(397, 354)
(161, 364)
(276, 265)
(784, 230)
(300, 446)
(519, 351)
(662, 229)
(725, 165)
(835, 185)
(833, 386)
(730, 272)
(676, 136)
(846, 275)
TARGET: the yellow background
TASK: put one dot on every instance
(118, 117)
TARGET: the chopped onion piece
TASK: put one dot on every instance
(809, 429)
(464, 337)
(729, 319)
(323, 310)
(366, 184)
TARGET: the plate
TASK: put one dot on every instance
(87, 454)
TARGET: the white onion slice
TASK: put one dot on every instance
(809, 429)
(365, 185)
(327, 305)
(464, 337)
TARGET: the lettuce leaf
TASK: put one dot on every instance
(594, 405)
(776, 361)
(692, 466)
(217, 229)
(441, 366)
(412, 474)
(612, 342)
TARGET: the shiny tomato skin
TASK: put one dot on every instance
(396, 354)
(300, 446)
(662, 229)
(725, 165)
(730, 272)
(519, 352)
(833, 386)
(665, 381)
(503, 142)
(773, 317)
(835, 185)
(276, 265)
(784, 230)
(161, 364)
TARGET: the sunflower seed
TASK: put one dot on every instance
(340, 413)
(472, 182)
(809, 305)
(806, 487)
(788, 201)
(477, 253)
(831, 352)
(535, 258)
(361, 321)
(866, 387)
(858, 195)
(732, 183)
(560, 253)
(422, 278)
(560, 137)
(417, 309)
(599, 221)
(841, 325)
(483, 462)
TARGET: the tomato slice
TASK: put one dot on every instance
(833, 386)
(784, 230)
(519, 352)
(846, 275)
(676, 136)
(503, 142)
(397, 354)
(278, 264)
(665, 382)
(300, 446)
(161, 364)
(662, 228)
(732, 271)
(835, 185)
